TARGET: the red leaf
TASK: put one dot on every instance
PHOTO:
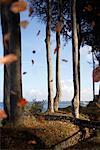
(8, 59)
(18, 6)
(2, 114)
(22, 102)
(96, 74)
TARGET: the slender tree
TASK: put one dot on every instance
(49, 60)
(58, 81)
(75, 51)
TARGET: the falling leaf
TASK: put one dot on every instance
(6, 40)
(5, 1)
(55, 50)
(18, 6)
(38, 33)
(58, 27)
(33, 51)
(8, 59)
(24, 24)
(30, 11)
(96, 74)
(22, 102)
(2, 114)
(24, 72)
(32, 142)
(32, 61)
(65, 60)
(88, 8)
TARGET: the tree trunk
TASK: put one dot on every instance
(15, 67)
(58, 81)
(12, 72)
(93, 76)
(49, 61)
(4, 26)
(75, 51)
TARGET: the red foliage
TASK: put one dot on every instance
(22, 102)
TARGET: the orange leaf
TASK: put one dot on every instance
(2, 114)
(24, 23)
(22, 102)
(96, 74)
(58, 27)
(8, 59)
(18, 6)
(30, 11)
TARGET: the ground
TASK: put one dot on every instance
(48, 131)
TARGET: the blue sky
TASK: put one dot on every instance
(35, 81)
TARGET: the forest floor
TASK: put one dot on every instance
(49, 131)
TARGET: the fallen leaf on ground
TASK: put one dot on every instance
(2, 114)
(32, 142)
(24, 24)
(7, 59)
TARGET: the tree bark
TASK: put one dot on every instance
(93, 76)
(58, 81)
(12, 72)
(15, 67)
(6, 88)
(75, 52)
(49, 61)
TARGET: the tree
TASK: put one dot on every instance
(49, 60)
(12, 72)
(43, 10)
(75, 51)
(58, 81)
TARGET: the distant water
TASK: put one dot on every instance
(61, 105)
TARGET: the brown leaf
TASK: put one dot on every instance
(30, 11)
(32, 142)
(58, 27)
(96, 74)
(24, 24)
(55, 50)
(18, 6)
(6, 40)
(8, 59)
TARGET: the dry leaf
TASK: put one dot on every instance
(65, 60)
(38, 33)
(30, 11)
(18, 6)
(8, 59)
(32, 142)
(2, 114)
(24, 72)
(24, 24)
(55, 50)
(5, 1)
(22, 102)
(58, 27)
(96, 74)
(6, 40)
